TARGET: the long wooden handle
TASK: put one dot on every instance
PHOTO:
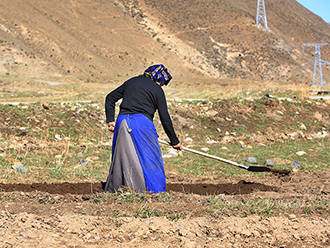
(209, 156)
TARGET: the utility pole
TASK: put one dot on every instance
(318, 62)
(261, 13)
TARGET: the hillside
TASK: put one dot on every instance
(112, 40)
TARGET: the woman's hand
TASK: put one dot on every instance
(111, 126)
(178, 146)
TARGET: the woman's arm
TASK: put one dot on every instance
(110, 102)
(167, 122)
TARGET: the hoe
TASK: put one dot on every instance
(253, 168)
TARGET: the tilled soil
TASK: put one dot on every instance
(242, 187)
(225, 212)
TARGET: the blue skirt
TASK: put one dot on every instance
(136, 155)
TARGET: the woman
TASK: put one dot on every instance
(136, 156)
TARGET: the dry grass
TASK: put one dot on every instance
(74, 89)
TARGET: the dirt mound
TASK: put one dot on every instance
(54, 188)
(241, 187)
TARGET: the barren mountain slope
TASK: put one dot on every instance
(84, 38)
(225, 33)
(219, 39)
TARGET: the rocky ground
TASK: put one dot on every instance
(297, 214)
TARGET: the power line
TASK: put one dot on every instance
(318, 62)
(261, 13)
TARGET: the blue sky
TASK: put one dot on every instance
(318, 7)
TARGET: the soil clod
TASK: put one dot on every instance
(281, 172)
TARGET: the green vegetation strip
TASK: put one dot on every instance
(83, 150)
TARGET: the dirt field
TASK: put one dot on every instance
(207, 203)
(70, 215)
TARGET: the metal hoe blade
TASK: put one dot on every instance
(258, 168)
(253, 168)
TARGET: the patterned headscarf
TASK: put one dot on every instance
(158, 73)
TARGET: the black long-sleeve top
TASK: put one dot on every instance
(141, 95)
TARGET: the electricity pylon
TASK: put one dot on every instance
(261, 13)
(318, 62)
